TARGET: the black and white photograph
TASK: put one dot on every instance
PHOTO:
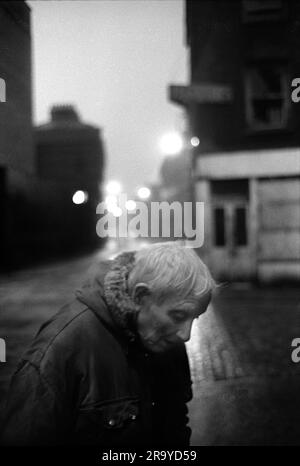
(149, 226)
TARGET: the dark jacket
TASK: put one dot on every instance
(83, 381)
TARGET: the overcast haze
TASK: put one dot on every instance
(113, 60)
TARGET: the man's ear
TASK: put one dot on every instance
(140, 291)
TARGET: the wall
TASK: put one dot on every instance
(16, 146)
(279, 229)
(222, 46)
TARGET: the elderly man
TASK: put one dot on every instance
(111, 369)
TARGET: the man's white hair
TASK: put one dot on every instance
(171, 270)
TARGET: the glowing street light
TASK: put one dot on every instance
(113, 188)
(144, 193)
(116, 211)
(130, 205)
(195, 141)
(111, 201)
(80, 197)
(171, 143)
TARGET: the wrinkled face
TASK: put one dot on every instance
(162, 326)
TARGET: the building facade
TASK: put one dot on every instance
(41, 169)
(16, 134)
(70, 163)
(244, 56)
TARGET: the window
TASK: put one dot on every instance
(240, 226)
(266, 89)
(219, 226)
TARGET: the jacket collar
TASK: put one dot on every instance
(106, 293)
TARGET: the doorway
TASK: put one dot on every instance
(231, 253)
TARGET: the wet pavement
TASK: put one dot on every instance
(246, 387)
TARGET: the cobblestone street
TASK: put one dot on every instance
(246, 387)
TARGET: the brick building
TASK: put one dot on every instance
(243, 57)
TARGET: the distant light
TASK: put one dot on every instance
(110, 199)
(111, 208)
(116, 211)
(80, 197)
(144, 193)
(113, 187)
(130, 205)
(171, 143)
(195, 141)
(111, 202)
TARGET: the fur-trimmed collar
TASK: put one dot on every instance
(123, 309)
(106, 293)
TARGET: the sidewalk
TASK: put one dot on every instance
(246, 388)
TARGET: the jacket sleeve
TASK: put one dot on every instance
(174, 391)
(32, 409)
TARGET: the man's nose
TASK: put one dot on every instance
(184, 333)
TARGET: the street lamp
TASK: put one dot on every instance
(130, 205)
(195, 141)
(80, 197)
(113, 188)
(144, 193)
(111, 202)
(171, 143)
(116, 211)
